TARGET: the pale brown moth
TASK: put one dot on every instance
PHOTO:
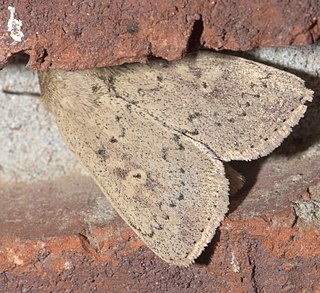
(155, 137)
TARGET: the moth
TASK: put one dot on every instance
(156, 137)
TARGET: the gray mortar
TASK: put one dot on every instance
(305, 59)
(31, 146)
(308, 211)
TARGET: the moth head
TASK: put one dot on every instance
(48, 88)
(81, 93)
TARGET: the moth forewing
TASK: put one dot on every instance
(154, 137)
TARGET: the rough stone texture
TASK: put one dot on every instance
(31, 146)
(75, 34)
(62, 235)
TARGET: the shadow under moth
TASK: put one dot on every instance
(156, 137)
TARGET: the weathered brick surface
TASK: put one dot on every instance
(77, 34)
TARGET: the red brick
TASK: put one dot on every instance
(78, 34)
